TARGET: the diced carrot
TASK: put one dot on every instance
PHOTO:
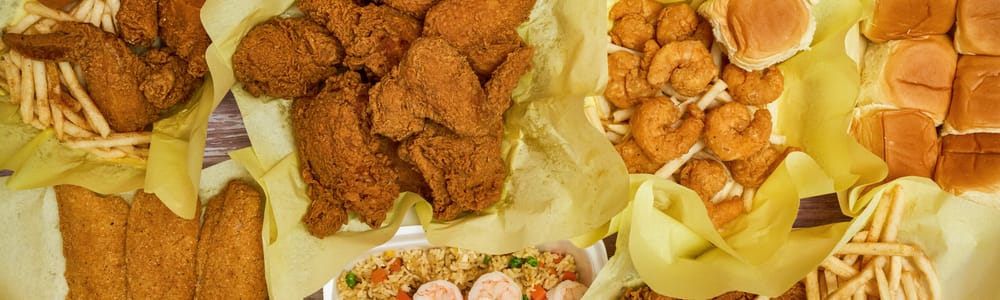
(558, 259)
(379, 275)
(401, 295)
(396, 265)
(552, 271)
(569, 276)
(538, 293)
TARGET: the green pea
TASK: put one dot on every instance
(525, 297)
(487, 260)
(351, 279)
(531, 260)
(515, 262)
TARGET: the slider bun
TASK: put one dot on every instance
(970, 167)
(977, 28)
(975, 105)
(904, 19)
(915, 74)
(759, 33)
(905, 139)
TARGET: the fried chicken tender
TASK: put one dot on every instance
(482, 30)
(464, 173)
(375, 37)
(434, 82)
(413, 8)
(137, 22)
(635, 159)
(286, 58)
(160, 250)
(341, 159)
(732, 135)
(129, 92)
(230, 255)
(93, 233)
(181, 30)
(654, 131)
(754, 88)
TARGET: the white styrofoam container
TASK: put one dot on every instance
(589, 261)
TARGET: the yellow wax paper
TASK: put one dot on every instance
(564, 179)
(172, 170)
(669, 242)
(33, 264)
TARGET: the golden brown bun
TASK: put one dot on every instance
(975, 105)
(759, 33)
(915, 74)
(977, 28)
(906, 139)
(905, 19)
(970, 167)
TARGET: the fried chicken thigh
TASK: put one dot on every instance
(129, 92)
(286, 58)
(374, 37)
(483, 30)
(343, 163)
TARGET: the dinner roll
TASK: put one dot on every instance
(977, 28)
(906, 139)
(904, 19)
(759, 33)
(913, 74)
(975, 105)
(970, 167)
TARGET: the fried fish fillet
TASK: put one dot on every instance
(230, 256)
(93, 232)
(160, 250)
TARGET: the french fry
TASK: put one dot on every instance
(909, 285)
(37, 125)
(74, 117)
(67, 101)
(106, 23)
(52, 82)
(838, 267)
(880, 248)
(116, 139)
(882, 283)
(13, 76)
(46, 12)
(831, 281)
(76, 131)
(107, 153)
(812, 285)
(95, 14)
(926, 267)
(27, 108)
(855, 284)
(895, 215)
(57, 120)
(41, 93)
(82, 10)
(114, 6)
(24, 24)
(878, 220)
(93, 115)
(895, 273)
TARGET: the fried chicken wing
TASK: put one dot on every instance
(483, 30)
(93, 233)
(160, 250)
(340, 159)
(464, 173)
(374, 37)
(129, 90)
(137, 21)
(181, 29)
(230, 256)
(286, 58)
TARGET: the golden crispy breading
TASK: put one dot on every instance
(160, 250)
(704, 176)
(414, 8)
(483, 30)
(230, 256)
(93, 232)
(182, 31)
(137, 22)
(635, 159)
(286, 58)
(340, 158)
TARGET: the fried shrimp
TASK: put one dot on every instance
(703, 33)
(752, 170)
(635, 159)
(754, 88)
(676, 22)
(687, 65)
(724, 212)
(632, 31)
(704, 176)
(648, 9)
(626, 84)
(732, 135)
(654, 130)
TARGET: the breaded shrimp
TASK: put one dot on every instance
(676, 22)
(654, 130)
(703, 33)
(687, 65)
(704, 176)
(754, 169)
(724, 212)
(626, 82)
(732, 135)
(648, 9)
(635, 159)
(632, 31)
(754, 88)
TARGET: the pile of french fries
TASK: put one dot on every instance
(874, 263)
(52, 95)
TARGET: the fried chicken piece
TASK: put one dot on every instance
(374, 37)
(137, 21)
(642, 293)
(286, 58)
(341, 159)
(230, 255)
(797, 292)
(464, 173)
(435, 82)
(181, 29)
(93, 233)
(413, 8)
(127, 91)
(482, 30)
(160, 250)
